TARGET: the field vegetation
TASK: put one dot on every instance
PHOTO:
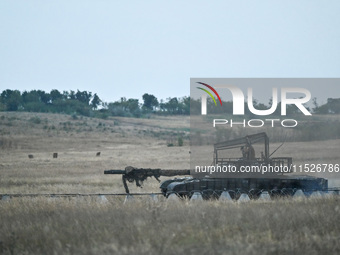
(87, 226)
(92, 225)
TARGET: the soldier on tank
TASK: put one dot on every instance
(251, 152)
(244, 152)
(248, 152)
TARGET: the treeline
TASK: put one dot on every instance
(80, 102)
(331, 107)
(132, 107)
(88, 104)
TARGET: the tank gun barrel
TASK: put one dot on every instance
(114, 172)
(169, 172)
(138, 175)
(161, 172)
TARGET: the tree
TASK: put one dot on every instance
(185, 101)
(55, 95)
(315, 104)
(172, 106)
(44, 97)
(72, 95)
(12, 99)
(195, 106)
(84, 96)
(124, 107)
(150, 102)
(334, 105)
(29, 97)
(132, 105)
(32, 101)
(95, 101)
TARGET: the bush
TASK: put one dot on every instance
(74, 116)
(35, 120)
(180, 141)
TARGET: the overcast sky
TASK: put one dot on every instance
(128, 48)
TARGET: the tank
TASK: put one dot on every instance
(277, 183)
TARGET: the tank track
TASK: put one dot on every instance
(254, 188)
(253, 194)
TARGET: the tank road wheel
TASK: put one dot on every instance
(254, 193)
(275, 193)
(184, 195)
(287, 192)
(210, 194)
(232, 194)
(239, 192)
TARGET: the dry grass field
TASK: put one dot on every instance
(88, 225)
